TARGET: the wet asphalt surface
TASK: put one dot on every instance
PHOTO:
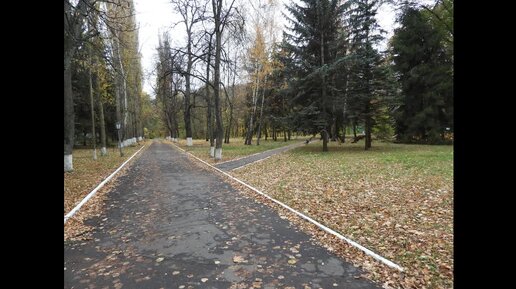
(170, 223)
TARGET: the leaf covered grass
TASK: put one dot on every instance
(87, 174)
(394, 199)
(235, 149)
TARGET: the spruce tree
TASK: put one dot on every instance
(311, 42)
(423, 61)
(366, 86)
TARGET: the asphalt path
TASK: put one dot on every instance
(170, 223)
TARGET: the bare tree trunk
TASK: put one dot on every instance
(124, 91)
(231, 101)
(261, 114)
(255, 100)
(118, 86)
(368, 126)
(323, 94)
(230, 122)
(334, 128)
(217, 7)
(355, 128)
(92, 107)
(207, 135)
(344, 108)
(210, 128)
(187, 107)
(325, 140)
(69, 115)
(209, 115)
(71, 30)
(368, 121)
(103, 149)
(226, 135)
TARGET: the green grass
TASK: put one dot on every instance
(235, 149)
(425, 159)
(395, 199)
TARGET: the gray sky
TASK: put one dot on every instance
(154, 16)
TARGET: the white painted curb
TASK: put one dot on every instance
(74, 210)
(323, 227)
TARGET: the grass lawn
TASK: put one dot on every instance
(236, 148)
(87, 173)
(394, 199)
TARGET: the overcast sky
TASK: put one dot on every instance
(154, 16)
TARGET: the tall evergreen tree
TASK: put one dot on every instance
(311, 40)
(366, 73)
(423, 61)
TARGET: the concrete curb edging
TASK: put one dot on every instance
(321, 226)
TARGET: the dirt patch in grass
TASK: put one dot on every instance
(87, 174)
(394, 199)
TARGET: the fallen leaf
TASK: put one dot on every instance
(239, 259)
